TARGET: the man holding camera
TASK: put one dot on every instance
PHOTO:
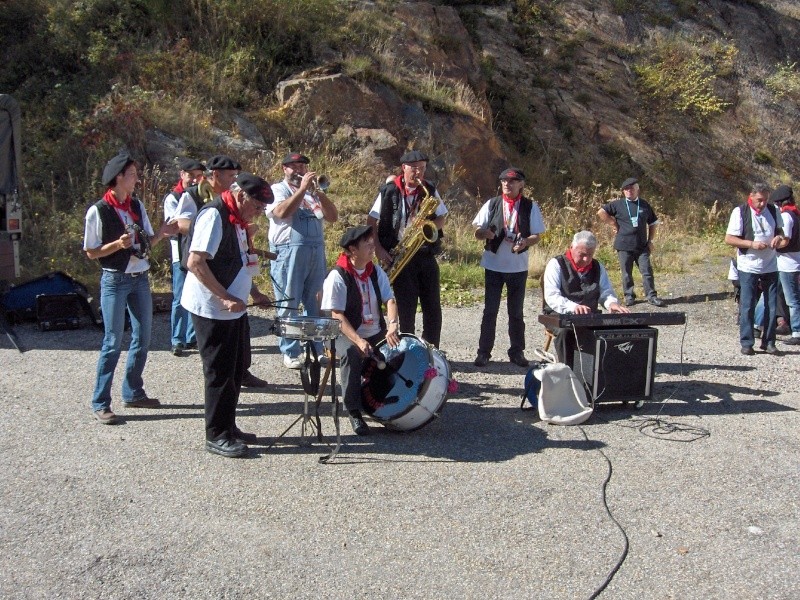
(509, 224)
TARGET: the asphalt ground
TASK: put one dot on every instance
(485, 502)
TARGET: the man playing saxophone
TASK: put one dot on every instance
(399, 211)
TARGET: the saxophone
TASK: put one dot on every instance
(419, 231)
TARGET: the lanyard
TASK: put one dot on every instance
(634, 220)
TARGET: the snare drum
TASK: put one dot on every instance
(411, 390)
(314, 329)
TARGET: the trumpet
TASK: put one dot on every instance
(318, 183)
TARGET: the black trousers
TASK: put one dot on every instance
(419, 282)
(221, 346)
(515, 299)
(565, 342)
(642, 260)
(351, 364)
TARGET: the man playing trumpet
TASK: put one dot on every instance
(295, 235)
(393, 216)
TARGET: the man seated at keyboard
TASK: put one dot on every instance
(576, 283)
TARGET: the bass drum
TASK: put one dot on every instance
(411, 390)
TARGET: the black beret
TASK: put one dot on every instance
(295, 157)
(628, 181)
(781, 194)
(116, 166)
(190, 164)
(220, 162)
(256, 188)
(512, 173)
(413, 156)
(353, 235)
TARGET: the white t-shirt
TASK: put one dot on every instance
(334, 297)
(280, 230)
(197, 298)
(788, 262)
(504, 260)
(755, 261)
(170, 212)
(560, 304)
(93, 235)
(375, 211)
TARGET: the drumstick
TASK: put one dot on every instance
(265, 253)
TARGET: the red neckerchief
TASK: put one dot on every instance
(235, 217)
(755, 210)
(111, 198)
(344, 262)
(585, 269)
(511, 201)
(178, 189)
(790, 208)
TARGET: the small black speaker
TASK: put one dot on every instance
(619, 364)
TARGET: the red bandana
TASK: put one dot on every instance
(585, 269)
(790, 208)
(755, 210)
(344, 262)
(235, 217)
(111, 198)
(511, 201)
(178, 189)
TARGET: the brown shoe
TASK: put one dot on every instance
(105, 416)
(143, 402)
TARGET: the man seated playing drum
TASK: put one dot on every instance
(354, 292)
(576, 283)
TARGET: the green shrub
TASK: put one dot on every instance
(785, 81)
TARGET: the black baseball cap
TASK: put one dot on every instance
(512, 173)
(295, 157)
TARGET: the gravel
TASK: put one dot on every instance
(485, 502)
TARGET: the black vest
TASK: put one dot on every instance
(353, 308)
(227, 262)
(391, 214)
(794, 241)
(585, 290)
(498, 225)
(183, 240)
(747, 223)
(112, 228)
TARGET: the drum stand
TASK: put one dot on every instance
(306, 421)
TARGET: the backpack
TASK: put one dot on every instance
(561, 398)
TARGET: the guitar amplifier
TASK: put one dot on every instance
(619, 364)
(56, 312)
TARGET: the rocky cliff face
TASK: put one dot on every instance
(555, 88)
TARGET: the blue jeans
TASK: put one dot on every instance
(118, 290)
(298, 273)
(182, 327)
(790, 282)
(748, 283)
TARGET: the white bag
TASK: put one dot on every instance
(562, 397)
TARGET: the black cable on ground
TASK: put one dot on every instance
(626, 544)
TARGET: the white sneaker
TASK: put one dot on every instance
(291, 363)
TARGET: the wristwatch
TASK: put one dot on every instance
(394, 322)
